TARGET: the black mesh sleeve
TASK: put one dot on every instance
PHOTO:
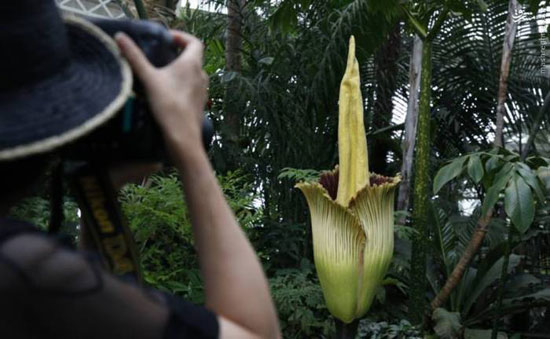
(189, 321)
(48, 291)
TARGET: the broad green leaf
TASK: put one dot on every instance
(266, 61)
(511, 157)
(475, 168)
(544, 175)
(448, 173)
(531, 179)
(494, 150)
(492, 163)
(519, 204)
(493, 193)
(484, 279)
(285, 17)
(536, 162)
(505, 171)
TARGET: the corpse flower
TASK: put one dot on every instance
(351, 212)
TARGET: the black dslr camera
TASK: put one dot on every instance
(133, 133)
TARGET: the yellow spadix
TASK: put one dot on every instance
(351, 212)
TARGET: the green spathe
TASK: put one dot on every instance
(352, 246)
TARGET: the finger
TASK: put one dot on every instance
(141, 66)
(182, 39)
(193, 47)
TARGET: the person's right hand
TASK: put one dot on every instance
(176, 92)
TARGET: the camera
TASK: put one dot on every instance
(133, 134)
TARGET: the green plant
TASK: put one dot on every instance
(473, 303)
(36, 210)
(280, 244)
(161, 226)
(495, 171)
(300, 304)
(296, 175)
(242, 198)
(500, 170)
(402, 329)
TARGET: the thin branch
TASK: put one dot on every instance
(386, 129)
(508, 45)
(418, 27)
(140, 7)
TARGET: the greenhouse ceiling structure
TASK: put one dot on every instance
(108, 9)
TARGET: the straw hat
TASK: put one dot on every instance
(60, 78)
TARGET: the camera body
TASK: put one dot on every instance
(133, 134)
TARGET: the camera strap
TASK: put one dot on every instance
(104, 220)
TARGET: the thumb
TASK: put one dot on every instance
(141, 66)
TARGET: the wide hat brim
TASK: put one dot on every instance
(55, 111)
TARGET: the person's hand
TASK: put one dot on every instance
(176, 92)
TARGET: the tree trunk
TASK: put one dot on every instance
(232, 102)
(417, 291)
(386, 85)
(510, 36)
(482, 225)
(410, 127)
(233, 41)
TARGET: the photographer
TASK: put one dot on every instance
(59, 80)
